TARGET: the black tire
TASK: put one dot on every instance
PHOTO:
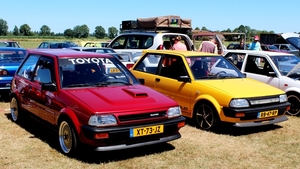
(15, 110)
(206, 117)
(67, 138)
(295, 105)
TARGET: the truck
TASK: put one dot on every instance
(284, 41)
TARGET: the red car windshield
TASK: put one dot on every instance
(82, 72)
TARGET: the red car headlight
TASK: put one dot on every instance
(3, 72)
(102, 120)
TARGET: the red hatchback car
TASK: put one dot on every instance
(88, 105)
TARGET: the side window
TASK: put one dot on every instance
(41, 45)
(169, 40)
(132, 43)
(54, 46)
(139, 42)
(44, 45)
(267, 68)
(172, 67)
(149, 63)
(264, 47)
(45, 71)
(284, 47)
(236, 58)
(64, 45)
(258, 65)
(119, 43)
(26, 70)
(147, 42)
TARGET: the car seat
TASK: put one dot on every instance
(88, 73)
(251, 66)
(176, 69)
(199, 69)
(167, 45)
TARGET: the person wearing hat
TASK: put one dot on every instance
(255, 44)
(178, 45)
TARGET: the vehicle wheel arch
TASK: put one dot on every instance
(69, 115)
(16, 112)
(295, 95)
(72, 149)
(209, 100)
(12, 95)
(207, 120)
(292, 92)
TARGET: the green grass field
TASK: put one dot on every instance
(31, 145)
(34, 43)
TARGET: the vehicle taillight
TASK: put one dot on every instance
(3, 72)
(160, 47)
(130, 65)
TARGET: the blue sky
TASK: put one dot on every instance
(279, 16)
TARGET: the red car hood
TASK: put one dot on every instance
(119, 98)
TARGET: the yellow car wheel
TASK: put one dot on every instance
(206, 117)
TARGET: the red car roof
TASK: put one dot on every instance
(62, 53)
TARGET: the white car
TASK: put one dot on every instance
(281, 70)
(135, 42)
(151, 33)
(125, 58)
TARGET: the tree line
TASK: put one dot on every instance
(247, 30)
(79, 31)
(83, 31)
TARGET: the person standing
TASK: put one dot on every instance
(241, 45)
(178, 45)
(255, 44)
(209, 46)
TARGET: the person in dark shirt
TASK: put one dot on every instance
(241, 46)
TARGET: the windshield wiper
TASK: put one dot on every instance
(106, 83)
(226, 77)
(204, 77)
(80, 85)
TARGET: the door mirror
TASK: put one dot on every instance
(184, 79)
(142, 81)
(272, 74)
(49, 86)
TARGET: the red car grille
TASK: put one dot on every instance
(146, 116)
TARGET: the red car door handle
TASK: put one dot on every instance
(157, 79)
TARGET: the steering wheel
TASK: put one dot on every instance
(219, 73)
(107, 77)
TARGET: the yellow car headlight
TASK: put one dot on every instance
(239, 103)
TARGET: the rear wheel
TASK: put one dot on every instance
(67, 138)
(15, 110)
(295, 105)
(206, 117)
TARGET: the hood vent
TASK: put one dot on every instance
(135, 92)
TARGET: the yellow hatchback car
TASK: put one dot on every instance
(210, 89)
